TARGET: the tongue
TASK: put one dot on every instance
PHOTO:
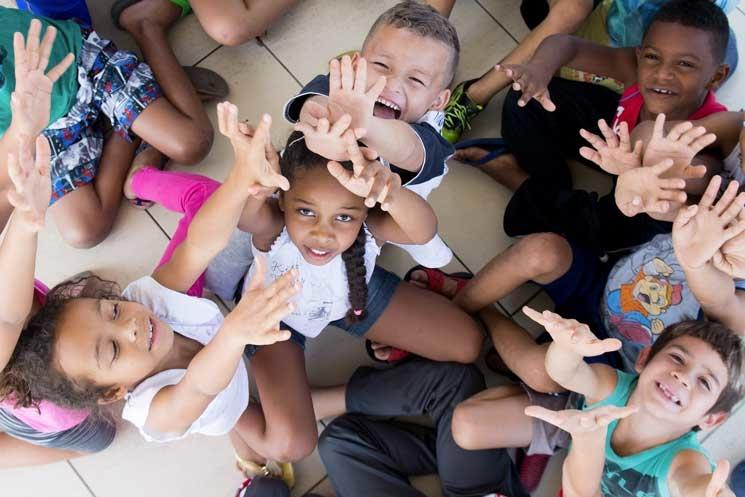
(383, 112)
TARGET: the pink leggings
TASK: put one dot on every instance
(177, 192)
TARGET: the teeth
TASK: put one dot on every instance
(319, 252)
(663, 91)
(670, 395)
(150, 335)
(388, 103)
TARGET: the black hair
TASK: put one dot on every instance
(31, 374)
(699, 14)
(725, 342)
(298, 157)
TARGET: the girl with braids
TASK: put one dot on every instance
(174, 359)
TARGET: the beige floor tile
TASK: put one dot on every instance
(258, 84)
(728, 440)
(55, 479)
(429, 485)
(507, 12)
(540, 302)
(732, 93)
(324, 489)
(132, 250)
(188, 39)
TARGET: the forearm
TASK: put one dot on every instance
(583, 467)
(715, 292)
(259, 216)
(396, 142)
(212, 369)
(564, 366)
(414, 216)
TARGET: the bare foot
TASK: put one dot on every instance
(504, 169)
(449, 286)
(151, 13)
(382, 352)
(150, 156)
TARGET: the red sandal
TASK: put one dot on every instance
(436, 278)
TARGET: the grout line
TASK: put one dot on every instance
(317, 484)
(478, 2)
(218, 47)
(261, 42)
(158, 224)
(520, 307)
(80, 477)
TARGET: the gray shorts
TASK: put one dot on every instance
(94, 434)
(548, 438)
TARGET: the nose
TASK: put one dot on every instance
(130, 329)
(682, 378)
(665, 73)
(322, 232)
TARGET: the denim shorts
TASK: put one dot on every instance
(380, 290)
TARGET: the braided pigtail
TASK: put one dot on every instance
(354, 261)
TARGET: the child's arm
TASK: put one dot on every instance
(255, 320)
(393, 139)
(613, 152)
(561, 50)
(254, 173)
(583, 467)
(30, 197)
(699, 233)
(572, 342)
(404, 217)
(691, 476)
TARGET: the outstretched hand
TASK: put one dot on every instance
(571, 334)
(31, 101)
(532, 81)
(256, 161)
(643, 190)
(700, 231)
(328, 140)
(612, 153)
(369, 178)
(348, 92)
(256, 318)
(578, 422)
(32, 184)
(681, 144)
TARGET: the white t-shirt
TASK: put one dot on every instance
(198, 319)
(325, 290)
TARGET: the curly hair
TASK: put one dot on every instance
(31, 375)
(298, 157)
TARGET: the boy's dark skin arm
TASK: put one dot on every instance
(561, 50)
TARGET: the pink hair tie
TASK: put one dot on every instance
(358, 312)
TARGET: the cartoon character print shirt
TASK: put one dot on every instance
(646, 292)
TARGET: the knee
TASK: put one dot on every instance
(468, 350)
(464, 427)
(543, 253)
(231, 32)
(193, 146)
(292, 445)
(341, 433)
(85, 234)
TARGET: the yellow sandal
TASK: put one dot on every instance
(272, 469)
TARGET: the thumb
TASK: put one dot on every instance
(718, 478)
(257, 281)
(684, 216)
(339, 172)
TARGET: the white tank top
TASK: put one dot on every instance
(325, 291)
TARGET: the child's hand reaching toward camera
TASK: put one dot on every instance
(255, 320)
(348, 92)
(327, 140)
(256, 161)
(532, 81)
(32, 184)
(31, 100)
(643, 190)
(612, 153)
(370, 178)
(681, 144)
(700, 231)
(577, 422)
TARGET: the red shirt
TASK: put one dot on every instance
(630, 106)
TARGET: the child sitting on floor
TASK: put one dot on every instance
(88, 169)
(635, 433)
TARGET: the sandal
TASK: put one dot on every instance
(272, 469)
(493, 146)
(436, 278)
(207, 82)
(395, 357)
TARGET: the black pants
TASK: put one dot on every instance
(542, 143)
(365, 456)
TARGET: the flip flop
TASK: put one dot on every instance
(494, 147)
(436, 278)
(207, 82)
(122, 5)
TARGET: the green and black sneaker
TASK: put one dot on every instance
(459, 112)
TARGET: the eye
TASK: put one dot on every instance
(344, 218)
(651, 56)
(305, 212)
(115, 351)
(380, 64)
(705, 383)
(417, 81)
(115, 311)
(685, 64)
(676, 358)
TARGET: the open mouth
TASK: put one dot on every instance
(385, 109)
(662, 92)
(150, 334)
(318, 254)
(668, 394)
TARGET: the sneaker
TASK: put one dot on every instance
(459, 112)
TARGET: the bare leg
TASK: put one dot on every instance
(329, 401)
(474, 426)
(233, 22)
(504, 169)
(541, 257)
(519, 351)
(16, 453)
(428, 325)
(283, 427)
(565, 17)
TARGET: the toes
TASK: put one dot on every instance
(470, 153)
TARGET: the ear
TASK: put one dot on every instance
(113, 394)
(719, 76)
(642, 359)
(441, 101)
(712, 420)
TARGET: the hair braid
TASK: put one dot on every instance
(354, 261)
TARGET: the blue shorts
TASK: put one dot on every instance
(380, 290)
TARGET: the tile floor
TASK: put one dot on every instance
(262, 75)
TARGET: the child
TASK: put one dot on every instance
(87, 169)
(674, 72)
(394, 89)
(173, 358)
(690, 379)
